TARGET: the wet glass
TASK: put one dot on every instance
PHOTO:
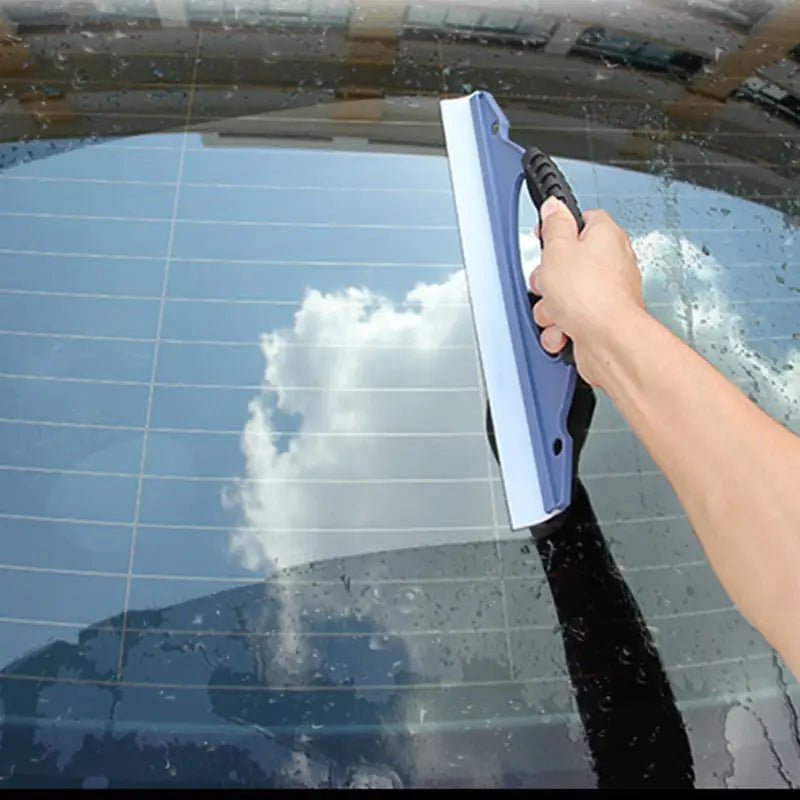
(253, 531)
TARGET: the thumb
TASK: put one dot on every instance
(557, 223)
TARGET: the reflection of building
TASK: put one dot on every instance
(368, 38)
(79, 70)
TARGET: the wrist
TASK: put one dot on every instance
(610, 350)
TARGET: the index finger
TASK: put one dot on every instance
(595, 217)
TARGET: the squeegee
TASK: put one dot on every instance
(529, 391)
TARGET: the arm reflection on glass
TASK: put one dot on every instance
(633, 727)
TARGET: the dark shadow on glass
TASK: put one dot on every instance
(634, 730)
(225, 720)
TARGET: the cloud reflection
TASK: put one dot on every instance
(381, 394)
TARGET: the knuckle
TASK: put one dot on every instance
(604, 218)
(543, 281)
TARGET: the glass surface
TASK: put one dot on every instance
(252, 532)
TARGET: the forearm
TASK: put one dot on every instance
(735, 470)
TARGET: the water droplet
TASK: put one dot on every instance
(406, 601)
(80, 78)
(60, 58)
(379, 642)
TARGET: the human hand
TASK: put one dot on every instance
(588, 282)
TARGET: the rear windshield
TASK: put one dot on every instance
(252, 532)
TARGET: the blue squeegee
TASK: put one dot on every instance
(529, 390)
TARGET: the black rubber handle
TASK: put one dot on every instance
(544, 179)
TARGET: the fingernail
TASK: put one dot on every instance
(550, 206)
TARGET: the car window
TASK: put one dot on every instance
(252, 531)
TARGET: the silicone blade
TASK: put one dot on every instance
(528, 390)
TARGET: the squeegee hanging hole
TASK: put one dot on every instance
(558, 446)
(495, 127)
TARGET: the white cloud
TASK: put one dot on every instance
(341, 345)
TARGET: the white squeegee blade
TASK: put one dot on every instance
(517, 458)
